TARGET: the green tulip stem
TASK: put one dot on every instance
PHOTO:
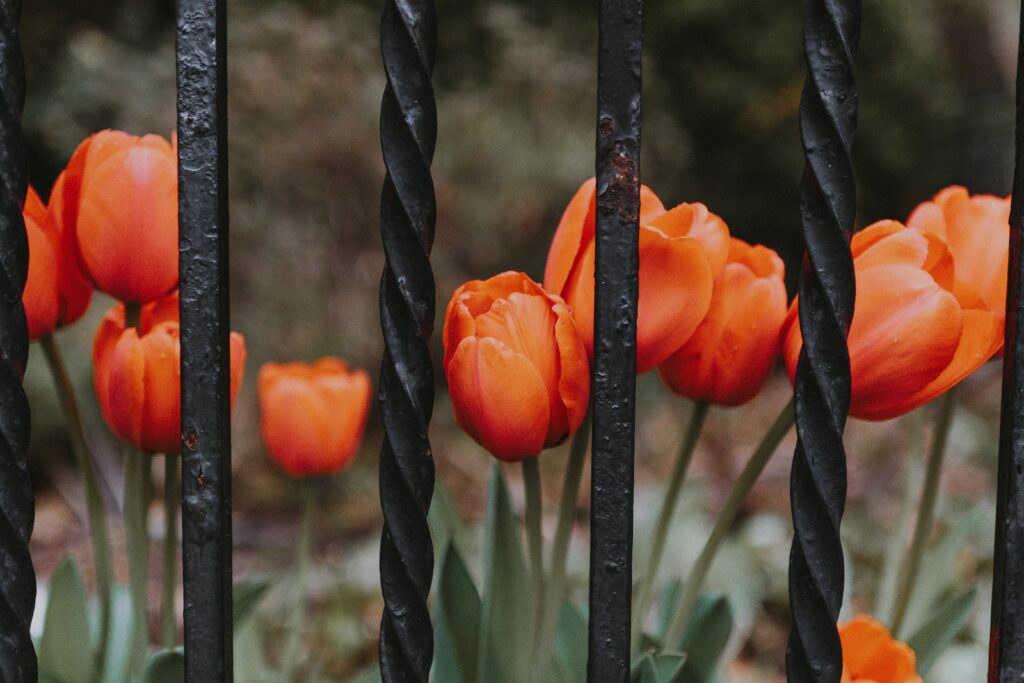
(645, 590)
(172, 498)
(730, 509)
(551, 606)
(295, 627)
(926, 510)
(95, 508)
(534, 536)
(137, 495)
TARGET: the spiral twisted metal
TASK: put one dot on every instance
(828, 115)
(408, 122)
(17, 578)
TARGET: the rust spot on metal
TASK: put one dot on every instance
(201, 482)
(605, 128)
(191, 440)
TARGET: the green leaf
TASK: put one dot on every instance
(648, 669)
(165, 667)
(932, 639)
(118, 660)
(457, 622)
(571, 644)
(707, 634)
(244, 599)
(65, 652)
(671, 594)
(506, 623)
(670, 667)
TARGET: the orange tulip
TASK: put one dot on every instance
(516, 364)
(117, 205)
(312, 416)
(681, 253)
(137, 375)
(872, 655)
(729, 356)
(56, 293)
(917, 330)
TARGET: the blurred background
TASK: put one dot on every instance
(516, 93)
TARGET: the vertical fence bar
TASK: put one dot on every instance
(1006, 639)
(620, 46)
(828, 118)
(205, 330)
(408, 127)
(17, 507)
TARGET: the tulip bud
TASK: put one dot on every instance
(517, 369)
(312, 416)
(870, 653)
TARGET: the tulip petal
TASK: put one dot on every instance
(127, 388)
(161, 416)
(239, 353)
(499, 398)
(696, 221)
(343, 432)
(294, 421)
(40, 296)
(574, 372)
(577, 220)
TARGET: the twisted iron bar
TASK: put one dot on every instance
(828, 115)
(17, 578)
(408, 122)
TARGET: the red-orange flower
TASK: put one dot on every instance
(872, 655)
(56, 293)
(681, 253)
(312, 416)
(729, 356)
(117, 205)
(137, 375)
(917, 330)
(517, 368)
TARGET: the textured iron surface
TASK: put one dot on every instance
(1006, 640)
(408, 125)
(205, 330)
(620, 45)
(17, 511)
(828, 116)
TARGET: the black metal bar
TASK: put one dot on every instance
(828, 118)
(17, 506)
(205, 330)
(620, 45)
(1006, 638)
(408, 127)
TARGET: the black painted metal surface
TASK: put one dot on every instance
(408, 123)
(828, 117)
(1006, 639)
(205, 330)
(17, 506)
(620, 45)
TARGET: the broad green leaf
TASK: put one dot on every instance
(244, 599)
(932, 639)
(457, 621)
(571, 644)
(65, 651)
(707, 634)
(670, 667)
(117, 663)
(648, 669)
(165, 667)
(506, 623)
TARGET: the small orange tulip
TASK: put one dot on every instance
(312, 416)
(917, 330)
(681, 253)
(516, 364)
(56, 293)
(729, 356)
(117, 205)
(137, 375)
(872, 655)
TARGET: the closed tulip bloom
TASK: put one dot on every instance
(117, 205)
(56, 294)
(729, 356)
(681, 252)
(517, 367)
(312, 416)
(872, 655)
(917, 329)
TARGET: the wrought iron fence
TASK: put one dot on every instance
(828, 114)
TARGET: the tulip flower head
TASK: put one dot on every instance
(872, 655)
(516, 364)
(117, 205)
(681, 253)
(729, 356)
(312, 416)
(137, 375)
(917, 329)
(56, 293)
